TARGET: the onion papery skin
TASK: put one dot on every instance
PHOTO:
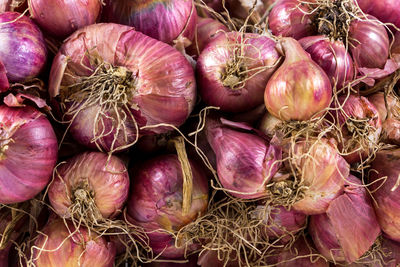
(299, 89)
(386, 191)
(369, 43)
(323, 170)
(288, 18)
(22, 49)
(82, 248)
(390, 116)
(29, 153)
(238, 91)
(165, 87)
(245, 162)
(386, 11)
(332, 57)
(334, 233)
(4, 84)
(155, 202)
(105, 178)
(60, 18)
(206, 30)
(164, 20)
(357, 108)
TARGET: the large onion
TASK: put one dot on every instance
(28, 153)
(138, 81)
(386, 11)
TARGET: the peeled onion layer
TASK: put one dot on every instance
(149, 83)
(233, 70)
(28, 153)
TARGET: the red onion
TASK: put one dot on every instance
(28, 153)
(299, 89)
(156, 201)
(360, 127)
(395, 50)
(134, 81)
(369, 43)
(3, 78)
(11, 5)
(207, 29)
(349, 227)
(60, 18)
(290, 18)
(245, 162)
(386, 11)
(386, 191)
(233, 70)
(191, 263)
(163, 20)
(60, 245)
(22, 47)
(332, 57)
(211, 258)
(91, 183)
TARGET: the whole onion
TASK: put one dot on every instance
(369, 43)
(384, 180)
(22, 48)
(164, 20)
(60, 245)
(28, 153)
(91, 184)
(299, 89)
(245, 161)
(386, 11)
(110, 85)
(156, 201)
(4, 84)
(60, 18)
(349, 227)
(332, 57)
(290, 18)
(233, 70)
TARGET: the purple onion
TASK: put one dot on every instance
(22, 47)
(332, 57)
(163, 20)
(156, 202)
(28, 153)
(386, 11)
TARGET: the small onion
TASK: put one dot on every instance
(384, 180)
(22, 47)
(299, 89)
(349, 227)
(332, 57)
(139, 81)
(290, 18)
(386, 11)
(60, 18)
(28, 153)
(269, 124)
(156, 202)
(233, 70)
(163, 20)
(93, 183)
(369, 43)
(4, 84)
(61, 245)
(245, 162)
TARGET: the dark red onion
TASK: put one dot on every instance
(385, 191)
(92, 182)
(290, 18)
(332, 57)
(61, 244)
(156, 202)
(22, 50)
(349, 227)
(60, 18)
(190, 263)
(11, 5)
(4, 84)
(233, 70)
(28, 153)
(156, 85)
(245, 161)
(386, 11)
(163, 20)
(369, 43)
(211, 258)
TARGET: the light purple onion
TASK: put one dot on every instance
(22, 47)
(332, 57)
(28, 153)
